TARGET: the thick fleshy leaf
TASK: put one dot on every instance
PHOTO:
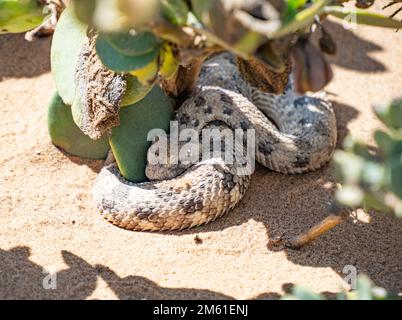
(135, 91)
(20, 16)
(68, 39)
(119, 62)
(132, 45)
(129, 140)
(65, 134)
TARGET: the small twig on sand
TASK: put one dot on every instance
(317, 230)
(330, 222)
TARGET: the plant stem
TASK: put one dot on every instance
(181, 86)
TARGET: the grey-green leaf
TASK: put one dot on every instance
(68, 39)
(132, 45)
(120, 62)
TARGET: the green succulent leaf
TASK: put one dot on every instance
(65, 134)
(135, 91)
(363, 17)
(20, 16)
(132, 45)
(119, 62)
(68, 39)
(129, 140)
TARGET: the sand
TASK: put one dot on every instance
(48, 222)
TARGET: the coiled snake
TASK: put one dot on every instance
(293, 134)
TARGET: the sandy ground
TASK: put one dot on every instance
(48, 222)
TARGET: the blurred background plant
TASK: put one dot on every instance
(365, 290)
(372, 179)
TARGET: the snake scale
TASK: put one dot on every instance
(293, 134)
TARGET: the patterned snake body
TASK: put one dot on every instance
(293, 134)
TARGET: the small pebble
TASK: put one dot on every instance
(197, 240)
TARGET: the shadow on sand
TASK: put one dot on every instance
(20, 278)
(353, 52)
(15, 51)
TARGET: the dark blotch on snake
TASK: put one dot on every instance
(199, 101)
(207, 110)
(228, 111)
(244, 124)
(195, 123)
(265, 148)
(301, 162)
(184, 119)
(226, 99)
